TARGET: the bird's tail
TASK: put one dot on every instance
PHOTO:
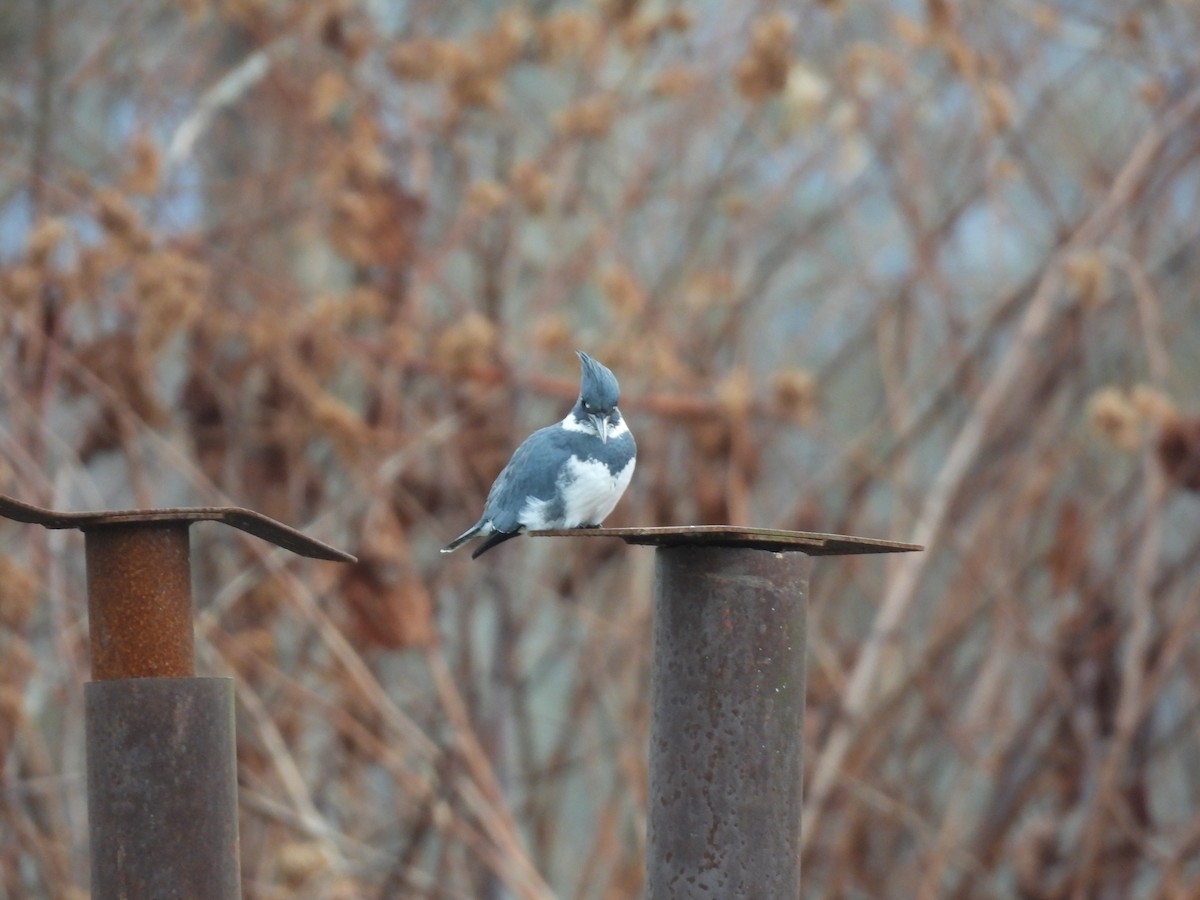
(471, 532)
(496, 537)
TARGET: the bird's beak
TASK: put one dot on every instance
(601, 424)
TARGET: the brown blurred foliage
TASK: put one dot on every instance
(922, 271)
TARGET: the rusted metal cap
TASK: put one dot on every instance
(139, 579)
(812, 543)
(243, 519)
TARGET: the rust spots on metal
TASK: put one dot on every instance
(727, 723)
(139, 579)
(140, 601)
(726, 765)
(162, 788)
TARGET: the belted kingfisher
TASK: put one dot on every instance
(568, 475)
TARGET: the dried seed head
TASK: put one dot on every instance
(485, 198)
(1045, 18)
(677, 19)
(618, 10)
(1087, 275)
(144, 174)
(735, 393)
(804, 96)
(706, 290)
(591, 117)
(675, 81)
(334, 418)
(474, 85)
(1153, 405)
(467, 345)
(640, 31)
(625, 294)
(329, 91)
(763, 71)
(16, 663)
(1153, 92)
(21, 286)
(910, 30)
(421, 59)
(532, 186)
(19, 588)
(498, 50)
(1133, 27)
(794, 394)
(567, 33)
(301, 861)
(171, 290)
(772, 33)
(118, 217)
(941, 14)
(44, 239)
(1113, 418)
(552, 332)
(13, 717)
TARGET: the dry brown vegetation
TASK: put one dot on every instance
(920, 271)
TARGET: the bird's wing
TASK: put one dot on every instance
(532, 472)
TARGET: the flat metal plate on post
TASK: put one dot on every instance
(780, 541)
(246, 520)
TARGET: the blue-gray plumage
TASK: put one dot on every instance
(568, 475)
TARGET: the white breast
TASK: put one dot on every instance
(591, 491)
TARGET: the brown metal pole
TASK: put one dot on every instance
(161, 747)
(140, 601)
(161, 754)
(162, 789)
(727, 723)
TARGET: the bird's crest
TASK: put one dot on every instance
(598, 386)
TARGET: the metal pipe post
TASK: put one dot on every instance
(727, 723)
(162, 789)
(161, 748)
(727, 706)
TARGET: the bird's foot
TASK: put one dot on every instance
(597, 525)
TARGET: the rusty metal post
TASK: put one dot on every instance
(727, 708)
(140, 601)
(161, 747)
(727, 723)
(162, 788)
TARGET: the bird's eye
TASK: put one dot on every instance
(587, 406)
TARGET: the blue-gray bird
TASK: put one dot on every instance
(567, 475)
